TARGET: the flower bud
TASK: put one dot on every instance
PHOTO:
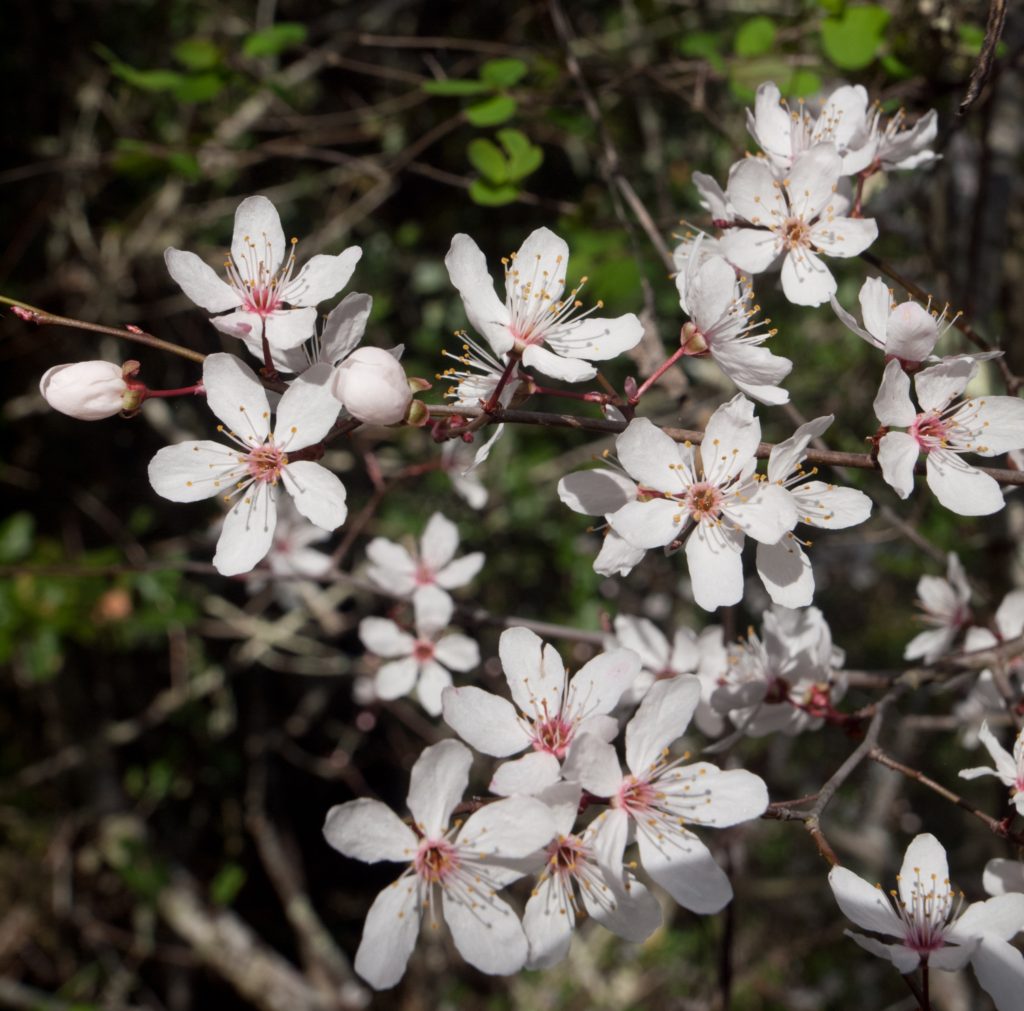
(371, 384)
(85, 390)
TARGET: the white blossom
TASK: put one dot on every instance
(945, 605)
(88, 391)
(372, 385)
(1009, 768)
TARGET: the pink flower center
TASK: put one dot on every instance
(635, 796)
(795, 233)
(266, 462)
(564, 854)
(424, 575)
(553, 735)
(423, 650)
(261, 289)
(930, 431)
(704, 500)
(436, 860)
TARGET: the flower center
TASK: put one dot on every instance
(265, 463)
(423, 650)
(254, 278)
(704, 500)
(927, 914)
(634, 796)
(436, 860)
(795, 233)
(564, 854)
(930, 431)
(553, 735)
(424, 575)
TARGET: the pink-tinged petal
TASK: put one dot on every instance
(432, 610)
(307, 410)
(829, 507)
(439, 542)
(999, 420)
(486, 932)
(596, 492)
(755, 370)
(897, 455)
(651, 457)
(685, 868)
(598, 685)
(755, 194)
(396, 678)
(649, 524)
(457, 652)
(528, 775)
(960, 487)
(716, 571)
(905, 959)
(938, 386)
(730, 797)
(595, 339)
(548, 922)
(344, 327)
(436, 784)
(487, 314)
(430, 687)
(508, 830)
(321, 278)
(765, 512)
(812, 180)
(392, 567)
(805, 278)
(383, 637)
(569, 370)
(750, 249)
(520, 651)
(893, 405)
(258, 238)
(288, 328)
(248, 531)
(786, 572)
(617, 556)
(1001, 916)
(370, 831)
(644, 638)
(389, 934)
(1002, 876)
(192, 471)
(661, 718)
(237, 397)
(484, 721)
(200, 282)
(843, 237)
(593, 764)
(923, 863)
(912, 332)
(999, 967)
(317, 493)
(542, 261)
(864, 904)
(461, 571)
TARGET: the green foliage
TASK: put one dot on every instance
(495, 78)
(503, 73)
(197, 54)
(502, 168)
(201, 84)
(227, 883)
(491, 111)
(704, 45)
(274, 40)
(754, 37)
(851, 41)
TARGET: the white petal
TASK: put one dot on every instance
(1001, 916)
(1001, 423)
(875, 305)
(1002, 876)
(1010, 614)
(548, 922)
(650, 456)
(520, 651)
(434, 679)
(542, 261)
(617, 556)
(897, 455)
(370, 831)
(716, 571)
(318, 494)
(237, 397)
(594, 765)
(755, 370)
(457, 652)
(596, 339)
(1005, 763)
(960, 487)
(432, 610)
(710, 292)
(923, 863)
(436, 784)
(685, 868)
(439, 542)
(755, 195)
(844, 237)
(805, 278)
(644, 638)
(258, 237)
(750, 249)
(509, 829)
(288, 328)
(999, 967)
(307, 410)
(952, 957)
(389, 934)
(383, 637)
(912, 332)
(200, 282)
(487, 933)
(192, 471)
(344, 327)
(321, 278)
(569, 370)
(649, 524)
(396, 678)
(864, 904)
(596, 492)
(598, 685)
(484, 721)
(905, 959)
(528, 775)
(731, 438)
(812, 180)
(930, 644)
(461, 571)
(392, 566)
(635, 914)
(939, 385)
(733, 795)
(661, 718)
(786, 572)
(786, 456)
(893, 405)
(467, 268)
(762, 511)
(246, 326)
(829, 507)
(248, 531)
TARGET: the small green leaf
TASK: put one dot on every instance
(199, 88)
(523, 157)
(489, 195)
(704, 45)
(148, 80)
(754, 37)
(486, 157)
(834, 7)
(503, 73)
(456, 88)
(227, 884)
(197, 54)
(492, 111)
(275, 39)
(803, 84)
(895, 67)
(185, 165)
(16, 535)
(851, 41)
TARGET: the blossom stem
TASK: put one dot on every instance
(591, 398)
(269, 370)
(182, 391)
(493, 400)
(925, 1002)
(656, 375)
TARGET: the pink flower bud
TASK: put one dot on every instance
(372, 385)
(85, 390)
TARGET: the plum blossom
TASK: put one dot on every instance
(660, 798)
(293, 565)
(548, 712)
(794, 219)
(1009, 768)
(711, 503)
(899, 147)
(784, 567)
(945, 605)
(944, 430)
(723, 325)
(420, 663)
(1002, 876)
(433, 568)
(536, 310)
(373, 387)
(88, 391)
(458, 464)
(931, 926)
(262, 458)
(466, 864)
(261, 280)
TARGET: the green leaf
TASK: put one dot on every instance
(227, 884)
(803, 84)
(197, 54)
(486, 157)
(834, 7)
(199, 88)
(275, 39)
(489, 195)
(148, 80)
(523, 157)
(492, 111)
(895, 67)
(754, 37)
(704, 45)
(456, 88)
(851, 41)
(186, 165)
(16, 534)
(503, 73)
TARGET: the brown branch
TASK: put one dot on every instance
(983, 68)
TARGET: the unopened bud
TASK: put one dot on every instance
(692, 340)
(88, 391)
(372, 385)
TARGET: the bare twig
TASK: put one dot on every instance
(983, 68)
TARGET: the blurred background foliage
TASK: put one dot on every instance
(169, 740)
